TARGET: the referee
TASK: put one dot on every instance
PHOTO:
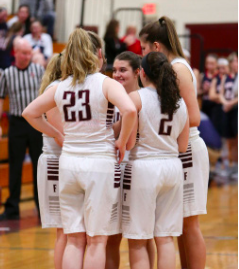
(21, 82)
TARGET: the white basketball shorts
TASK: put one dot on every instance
(196, 175)
(152, 198)
(48, 190)
(90, 194)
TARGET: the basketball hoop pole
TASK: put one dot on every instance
(82, 13)
(13, 6)
(112, 9)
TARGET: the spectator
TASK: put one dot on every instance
(42, 10)
(16, 29)
(38, 58)
(135, 47)
(207, 77)
(23, 15)
(21, 82)
(5, 59)
(113, 45)
(40, 41)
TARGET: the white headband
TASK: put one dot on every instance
(222, 61)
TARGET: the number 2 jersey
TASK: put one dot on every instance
(158, 132)
(87, 117)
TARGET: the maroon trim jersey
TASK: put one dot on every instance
(87, 116)
(158, 132)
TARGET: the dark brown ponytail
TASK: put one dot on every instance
(163, 31)
(160, 72)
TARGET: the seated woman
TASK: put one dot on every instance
(40, 41)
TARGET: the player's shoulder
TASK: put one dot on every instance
(183, 71)
(181, 66)
(109, 82)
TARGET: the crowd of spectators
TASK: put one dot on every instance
(34, 21)
(219, 91)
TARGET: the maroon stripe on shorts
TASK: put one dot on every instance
(52, 177)
(187, 165)
(185, 155)
(117, 176)
(51, 172)
(127, 177)
(186, 158)
(116, 185)
(52, 169)
(56, 167)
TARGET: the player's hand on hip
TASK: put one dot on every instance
(121, 147)
(59, 139)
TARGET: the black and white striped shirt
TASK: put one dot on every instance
(21, 85)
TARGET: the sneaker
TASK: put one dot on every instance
(4, 216)
(222, 173)
(234, 176)
(233, 170)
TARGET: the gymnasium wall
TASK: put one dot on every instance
(98, 12)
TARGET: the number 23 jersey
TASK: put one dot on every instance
(87, 116)
(158, 132)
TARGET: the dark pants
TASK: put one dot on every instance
(21, 137)
(48, 20)
(207, 107)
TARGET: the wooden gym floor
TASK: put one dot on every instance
(24, 245)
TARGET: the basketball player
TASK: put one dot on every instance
(161, 36)
(89, 172)
(153, 178)
(48, 166)
(126, 69)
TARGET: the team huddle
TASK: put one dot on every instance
(120, 160)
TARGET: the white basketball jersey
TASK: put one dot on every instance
(158, 132)
(193, 130)
(87, 116)
(49, 144)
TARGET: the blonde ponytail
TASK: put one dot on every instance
(79, 60)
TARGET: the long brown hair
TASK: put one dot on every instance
(79, 60)
(111, 29)
(163, 31)
(14, 29)
(159, 71)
